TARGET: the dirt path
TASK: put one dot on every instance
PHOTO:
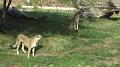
(45, 7)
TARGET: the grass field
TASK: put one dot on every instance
(96, 44)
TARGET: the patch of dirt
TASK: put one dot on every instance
(16, 65)
(107, 43)
(110, 61)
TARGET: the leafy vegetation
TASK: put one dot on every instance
(96, 44)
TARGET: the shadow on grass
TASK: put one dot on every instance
(38, 47)
(114, 18)
(56, 23)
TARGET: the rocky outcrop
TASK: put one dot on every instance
(98, 8)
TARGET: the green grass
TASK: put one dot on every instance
(96, 44)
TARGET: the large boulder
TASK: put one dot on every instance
(98, 8)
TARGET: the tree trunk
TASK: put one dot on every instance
(3, 17)
(5, 8)
(8, 5)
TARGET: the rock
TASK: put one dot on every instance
(98, 8)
